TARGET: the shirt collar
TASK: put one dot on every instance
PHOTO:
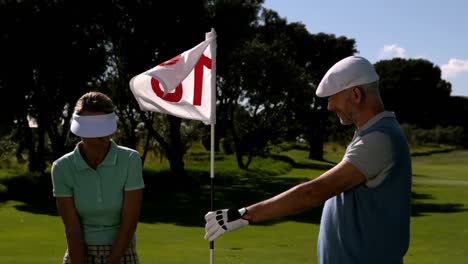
(375, 119)
(109, 160)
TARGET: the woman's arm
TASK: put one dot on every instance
(128, 224)
(71, 221)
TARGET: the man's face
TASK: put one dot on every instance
(341, 104)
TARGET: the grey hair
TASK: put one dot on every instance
(371, 89)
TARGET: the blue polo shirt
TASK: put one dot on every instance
(98, 194)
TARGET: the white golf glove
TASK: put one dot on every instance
(221, 221)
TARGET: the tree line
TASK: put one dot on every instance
(267, 71)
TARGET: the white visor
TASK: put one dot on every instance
(92, 126)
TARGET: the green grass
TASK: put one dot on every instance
(171, 226)
(447, 166)
(439, 230)
(28, 237)
(440, 204)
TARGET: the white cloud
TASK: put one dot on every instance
(454, 67)
(392, 51)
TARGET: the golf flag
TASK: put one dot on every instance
(183, 86)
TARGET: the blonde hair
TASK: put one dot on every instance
(94, 102)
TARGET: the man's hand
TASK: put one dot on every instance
(221, 221)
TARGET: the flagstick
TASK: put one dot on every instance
(213, 46)
(212, 148)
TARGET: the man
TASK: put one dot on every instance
(366, 216)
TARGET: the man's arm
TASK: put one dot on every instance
(342, 177)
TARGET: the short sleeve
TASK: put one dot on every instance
(134, 173)
(60, 182)
(372, 155)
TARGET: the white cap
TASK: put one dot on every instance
(348, 72)
(93, 126)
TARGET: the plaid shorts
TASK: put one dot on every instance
(98, 255)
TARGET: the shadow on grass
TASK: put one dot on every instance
(422, 208)
(184, 201)
(233, 189)
(171, 199)
(300, 165)
(435, 151)
(35, 191)
(420, 176)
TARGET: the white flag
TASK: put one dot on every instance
(183, 86)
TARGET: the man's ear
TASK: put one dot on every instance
(357, 94)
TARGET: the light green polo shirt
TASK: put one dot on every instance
(98, 194)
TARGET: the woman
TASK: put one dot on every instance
(98, 188)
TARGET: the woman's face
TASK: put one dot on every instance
(97, 142)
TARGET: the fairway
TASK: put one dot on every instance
(439, 229)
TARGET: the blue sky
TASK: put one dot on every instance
(430, 29)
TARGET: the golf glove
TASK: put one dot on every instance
(221, 221)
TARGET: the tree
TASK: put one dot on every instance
(456, 107)
(255, 88)
(403, 82)
(272, 83)
(235, 23)
(45, 66)
(316, 53)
